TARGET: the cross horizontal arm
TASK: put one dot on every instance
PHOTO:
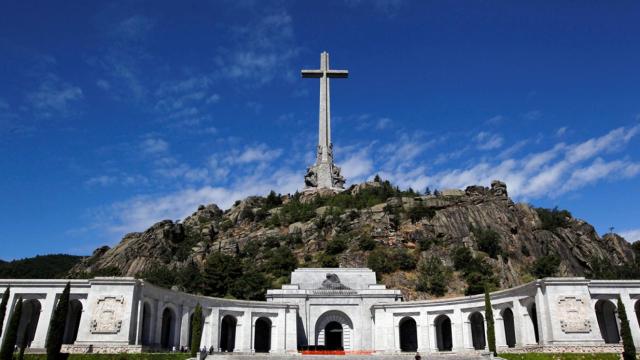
(312, 73)
(338, 73)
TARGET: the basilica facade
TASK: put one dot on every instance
(331, 308)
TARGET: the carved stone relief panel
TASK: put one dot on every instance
(573, 312)
(107, 317)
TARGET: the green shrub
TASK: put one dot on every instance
(403, 260)
(329, 261)
(55, 335)
(625, 333)
(196, 330)
(336, 245)
(226, 224)
(419, 212)
(11, 335)
(545, 266)
(552, 219)
(366, 242)
(380, 261)
(432, 276)
(280, 262)
(488, 240)
(273, 200)
(491, 331)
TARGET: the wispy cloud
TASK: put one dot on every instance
(54, 97)
(488, 141)
(262, 51)
(631, 235)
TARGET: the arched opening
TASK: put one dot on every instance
(533, 315)
(408, 335)
(607, 321)
(443, 333)
(228, 333)
(509, 327)
(476, 320)
(28, 322)
(167, 340)
(262, 341)
(73, 322)
(333, 336)
(146, 324)
(333, 330)
(638, 311)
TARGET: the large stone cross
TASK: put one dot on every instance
(326, 175)
(324, 73)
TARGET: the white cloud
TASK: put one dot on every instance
(54, 96)
(631, 235)
(154, 146)
(383, 123)
(103, 84)
(256, 154)
(561, 131)
(488, 141)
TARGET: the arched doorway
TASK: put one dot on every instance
(333, 330)
(28, 322)
(509, 327)
(167, 338)
(73, 322)
(146, 325)
(638, 311)
(333, 339)
(607, 321)
(262, 341)
(476, 321)
(228, 333)
(408, 335)
(443, 333)
(533, 315)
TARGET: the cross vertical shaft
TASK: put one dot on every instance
(325, 154)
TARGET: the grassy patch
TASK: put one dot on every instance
(560, 356)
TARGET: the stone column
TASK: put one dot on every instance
(10, 307)
(467, 336)
(520, 319)
(630, 308)
(48, 305)
(290, 332)
(214, 318)
(244, 333)
(139, 323)
(185, 328)
(501, 337)
(157, 329)
(457, 329)
(423, 333)
(544, 331)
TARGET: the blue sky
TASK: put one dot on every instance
(116, 115)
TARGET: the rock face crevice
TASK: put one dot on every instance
(448, 221)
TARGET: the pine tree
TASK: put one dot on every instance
(629, 352)
(57, 325)
(196, 330)
(3, 306)
(11, 336)
(491, 331)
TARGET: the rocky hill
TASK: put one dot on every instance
(441, 244)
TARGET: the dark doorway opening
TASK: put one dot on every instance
(168, 329)
(509, 327)
(228, 334)
(477, 331)
(607, 321)
(333, 336)
(443, 333)
(534, 320)
(28, 322)
(408, 335)
(262, 343)
(73, 322)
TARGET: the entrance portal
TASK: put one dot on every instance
(444, 340)
(333, 336)
(408, 335)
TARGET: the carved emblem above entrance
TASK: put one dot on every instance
(573, 313)
(332, 282)
(107, 317)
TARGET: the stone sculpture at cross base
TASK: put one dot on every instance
(324, 174)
